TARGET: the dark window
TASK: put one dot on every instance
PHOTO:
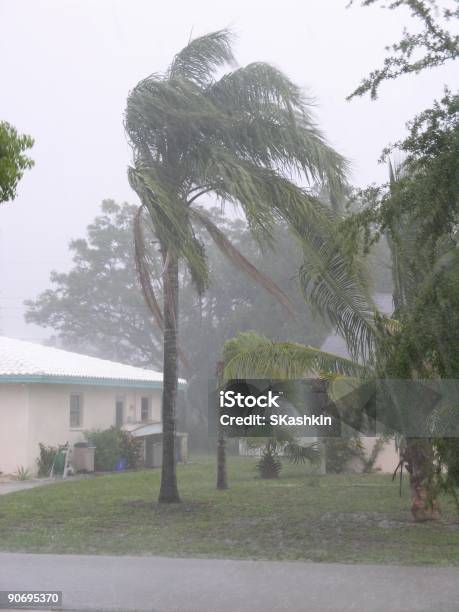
(145, 409)
(76, 416)
(119, 416)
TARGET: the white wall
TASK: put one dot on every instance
(387, 459)
(35, 413)
(14, 429)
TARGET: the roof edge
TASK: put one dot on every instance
(83, 380)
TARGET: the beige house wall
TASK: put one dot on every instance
(388, 457)
(386, 460)
(35, 413)
(14, 427)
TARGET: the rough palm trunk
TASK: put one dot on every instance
(169, 492)
(419, 461)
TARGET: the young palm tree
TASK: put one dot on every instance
(242, 137)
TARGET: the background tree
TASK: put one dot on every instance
(432, 46)
(417, 213)
(243, 138)
(13, 160)
(97, 307)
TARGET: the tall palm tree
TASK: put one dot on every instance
(242, 137)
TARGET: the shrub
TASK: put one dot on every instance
(45, 460)
(113, 444)
(339, 451)
(107, 445)
(131, 449)
(269, 465)
(22, 473)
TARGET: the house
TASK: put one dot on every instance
(53, 396)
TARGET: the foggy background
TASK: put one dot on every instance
(67, 66)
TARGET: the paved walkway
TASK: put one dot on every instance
(22, 485)
(205, 585)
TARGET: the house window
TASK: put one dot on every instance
(145, 409)
(76, 412)
(119, 412)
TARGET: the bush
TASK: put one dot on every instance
(339, 451)
(131, 449)
(45, 460)
(447, 451)
(269, 465)
(113, 444)
(22, 473)
(107, 445)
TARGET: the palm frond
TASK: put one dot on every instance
(143, 273)
(171, 219)
(261, 358)
(264, 195)
(142, 263)
(338, 289)
(239, 261)
(272, 123)
(242, 341)
(198, 61)
(297, 453)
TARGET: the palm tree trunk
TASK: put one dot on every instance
(222, 482)
(418, 457)
(169, 492)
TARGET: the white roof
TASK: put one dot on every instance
(43, 363)
(147, 430)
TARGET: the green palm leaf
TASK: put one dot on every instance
(251, 356)
(202, 56)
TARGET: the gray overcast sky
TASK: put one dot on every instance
(67, 66)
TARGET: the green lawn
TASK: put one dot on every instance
(358, 518)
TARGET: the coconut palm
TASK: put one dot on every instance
(243, 138)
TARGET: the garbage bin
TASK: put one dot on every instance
(82, 457)
(121, 464)
(59, 462)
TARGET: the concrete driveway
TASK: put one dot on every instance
(206, 585)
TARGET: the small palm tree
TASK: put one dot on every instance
(269, 466)
(242, 137)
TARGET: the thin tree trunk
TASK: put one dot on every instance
(169, 492)
(222, 482)
(418, 457)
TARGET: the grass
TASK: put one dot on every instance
(353, 519)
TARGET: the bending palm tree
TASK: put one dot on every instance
(241, 138)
